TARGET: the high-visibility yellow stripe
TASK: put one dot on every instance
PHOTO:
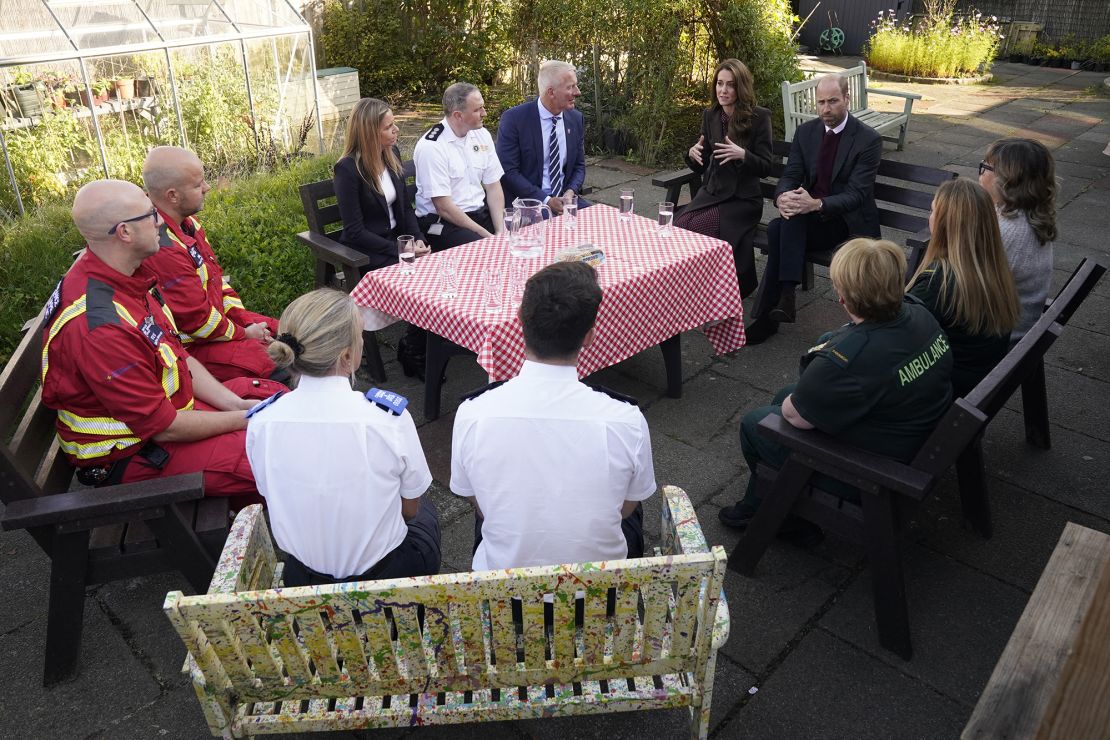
(231, 302)
(90, 450)
(70, 312)
(205, 331)
(171, 379)
(202, 271)
(169, 317)
(103, 426)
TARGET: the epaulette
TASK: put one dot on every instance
(53, 301)
(614, 395)
(100, 307)
(164, 238)
(844, 350)
(263, 404)
(479, 391)
(389, 401)
(434, 132)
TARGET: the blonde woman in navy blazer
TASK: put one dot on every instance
(370, 188)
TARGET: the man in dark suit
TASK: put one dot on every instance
(825, 195)
(540, 143)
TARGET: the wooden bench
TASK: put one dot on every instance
(903, 194)
(886, 485)
(1051, 680)
(91, 537)
(454, 647)
(799, 104)
(337, 265)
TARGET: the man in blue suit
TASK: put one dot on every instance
(540, 143)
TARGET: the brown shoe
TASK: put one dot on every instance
(784, 312)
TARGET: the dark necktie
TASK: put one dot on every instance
(553, 168)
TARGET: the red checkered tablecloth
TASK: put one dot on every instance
(654, 287)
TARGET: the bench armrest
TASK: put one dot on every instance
(682, 535)
(104, 505)
(332, 251)
(824, 454)
(893, 93)
(673, 181)
(247, 561)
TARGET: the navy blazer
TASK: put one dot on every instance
(852, 195)
(520, 149)
(365, 220)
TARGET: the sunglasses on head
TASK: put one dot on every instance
(983, 167)
(152, 213)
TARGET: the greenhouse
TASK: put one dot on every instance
(87, 88)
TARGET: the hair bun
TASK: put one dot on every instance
(289, 339)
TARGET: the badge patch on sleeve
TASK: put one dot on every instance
(54, 301)
(198, 259)
(389, 401)
(152, 331)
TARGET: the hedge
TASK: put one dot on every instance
(252, 224)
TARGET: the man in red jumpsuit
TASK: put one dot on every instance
(227, 339)
(132, 404)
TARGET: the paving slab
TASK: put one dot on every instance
(814, 693)
(959, 617)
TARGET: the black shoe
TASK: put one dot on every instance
(784, 312)
(760, 330)
(736, 517)
(411, 364)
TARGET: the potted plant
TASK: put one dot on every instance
(124, 87)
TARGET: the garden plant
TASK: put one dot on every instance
(939, 44)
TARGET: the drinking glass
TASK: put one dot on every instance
(570, 211)
(512, 224)
(627, 207)
(666, 219)
(406, 254)
(448, 274)
(518, 276)
(492, 289)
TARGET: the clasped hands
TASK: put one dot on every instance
(555, 203)
(796, 202)
(723, 151)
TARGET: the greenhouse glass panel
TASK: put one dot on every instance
(184, 20)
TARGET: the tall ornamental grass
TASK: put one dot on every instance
(938, 45)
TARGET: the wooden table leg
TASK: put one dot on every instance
(672, 361)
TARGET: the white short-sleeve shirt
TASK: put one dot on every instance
(333, 468)
(459, 167)
(550, 462)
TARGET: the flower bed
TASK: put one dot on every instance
(939, 45)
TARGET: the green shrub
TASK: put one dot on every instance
(252, 224)
(940, 45)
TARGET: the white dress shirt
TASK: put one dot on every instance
(390, 194)
(550, 462)
(561, 135)
(459, 167)
(333, 468)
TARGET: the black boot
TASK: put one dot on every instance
(411, 357)
(760, 330)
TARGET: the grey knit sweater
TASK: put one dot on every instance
(1032, 266)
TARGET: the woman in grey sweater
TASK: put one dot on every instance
(1020, 175)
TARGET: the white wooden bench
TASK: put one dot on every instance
(448, 648)
(799, 104)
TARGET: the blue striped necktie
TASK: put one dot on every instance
(553, 168)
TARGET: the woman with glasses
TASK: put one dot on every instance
(374, 206)
(966, 283)
(343, 473)
(733, 152)
(1020, 176)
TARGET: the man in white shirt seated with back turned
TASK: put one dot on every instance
(555, 470)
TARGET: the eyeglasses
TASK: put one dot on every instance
(153, 213)
(983, 167)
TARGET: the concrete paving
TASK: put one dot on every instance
(802, 659)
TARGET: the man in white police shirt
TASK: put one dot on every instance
(555, 470)
(458, 176)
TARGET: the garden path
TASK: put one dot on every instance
(803, 660)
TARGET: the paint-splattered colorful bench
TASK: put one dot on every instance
(448, 648)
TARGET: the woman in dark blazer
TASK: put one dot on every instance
(733, 152)
(370, 188)
(374, 206)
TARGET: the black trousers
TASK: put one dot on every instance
(632, 526)
(788, 241)
(452, 235)
(417, 555)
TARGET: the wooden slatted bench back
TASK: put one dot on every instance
(645, 629)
